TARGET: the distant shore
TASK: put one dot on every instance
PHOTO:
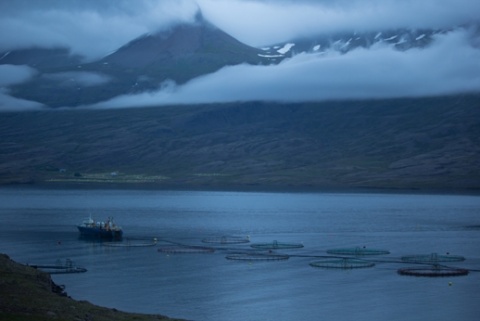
(244, 188)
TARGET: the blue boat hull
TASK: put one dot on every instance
(100, 233)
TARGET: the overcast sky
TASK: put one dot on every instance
(94, 28)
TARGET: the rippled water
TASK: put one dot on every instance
(38, 227)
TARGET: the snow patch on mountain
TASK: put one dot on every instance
(391, 38)
(277, 51)
(271, 56)
(420, 37)
(4, 55)
(286, 48)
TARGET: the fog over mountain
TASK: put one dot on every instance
(380, 68)
(380, 72)
(271, 21)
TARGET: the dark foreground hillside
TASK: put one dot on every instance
(428, 143)
(28, 294)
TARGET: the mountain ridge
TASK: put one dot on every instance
(401, 39)
(179, 54)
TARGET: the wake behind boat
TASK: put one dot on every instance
(106, 229)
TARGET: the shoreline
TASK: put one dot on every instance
(244, 188)
(30, 294)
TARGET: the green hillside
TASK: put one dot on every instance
(428, 143)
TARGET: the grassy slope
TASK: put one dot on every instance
(403, 143)
(27, 294)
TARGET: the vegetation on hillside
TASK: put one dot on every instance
(431, 143)
(28, 294)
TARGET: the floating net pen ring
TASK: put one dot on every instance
(178, 249)
(257, 257)
(53, 269)
(226, 239)
(342, 263)
(276, 245)
(60, 268)
(357, 251)
(133, 243)
(432, 258)
(435, 271)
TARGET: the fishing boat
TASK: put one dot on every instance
(107, 229)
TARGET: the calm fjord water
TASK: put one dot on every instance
(38, 227)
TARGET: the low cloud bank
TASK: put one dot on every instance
(11, 75)
(450, 65)
(9, 103)
(79, 78)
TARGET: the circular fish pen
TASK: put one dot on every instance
(435, 271)
(276, 246)
(132, 243)
(341, 263)
(226, 239)
(433, 258)
(59, 268)
(358, 251)
(183, 249)
(256, 257)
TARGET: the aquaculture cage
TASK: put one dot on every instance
(60, 268)
(227, 239)
(433, 258)
(184, 249)
(341, 263)
(434, 271)
(133, 243)
(256, 257)
(276, 246)
(358, 251)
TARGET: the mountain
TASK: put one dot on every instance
(421, 143)
(179, 54)
(343, 42)
(198, 43)
(402, 39)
